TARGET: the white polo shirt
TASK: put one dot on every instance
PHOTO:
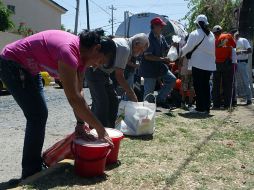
(242, 44)
(123, 54)
(204, 56)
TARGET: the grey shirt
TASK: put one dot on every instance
(123, 54)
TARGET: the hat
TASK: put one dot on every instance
(158, 21)
(201, 18)
(217, 28)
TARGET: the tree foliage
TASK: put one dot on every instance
(218, 12)
(5, 21)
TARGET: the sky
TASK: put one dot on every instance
(100, 14)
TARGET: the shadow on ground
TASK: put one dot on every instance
(195, 115)
(141, 137)
(63, 175)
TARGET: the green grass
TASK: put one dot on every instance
(184, 153)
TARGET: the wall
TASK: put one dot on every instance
(6, 38)
(37, 14)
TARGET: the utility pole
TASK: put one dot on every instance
(87, 15)
(112, 18)
(76, 19)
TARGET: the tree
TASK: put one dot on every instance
(218, 12)
(5, 21)
(63, 27)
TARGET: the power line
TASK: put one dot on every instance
(101, 8)
(110, 25)
(68, 4)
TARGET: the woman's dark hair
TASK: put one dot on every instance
(204, 27)
(88, 39)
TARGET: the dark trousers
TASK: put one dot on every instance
(202, 88)
(105, 101)
(27, 90)
(223, 77)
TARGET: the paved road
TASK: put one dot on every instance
(60, 122)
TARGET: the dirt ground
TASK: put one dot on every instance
(60, 122)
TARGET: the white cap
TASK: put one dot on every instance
(217, 28)
(202, 18)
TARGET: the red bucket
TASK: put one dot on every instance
(116, 137)
(90, 157)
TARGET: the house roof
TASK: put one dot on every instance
(58, 6)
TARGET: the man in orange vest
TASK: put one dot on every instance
(224, 44)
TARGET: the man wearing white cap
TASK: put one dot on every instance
(243, 49)
(201, 46)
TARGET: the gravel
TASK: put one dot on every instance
(60, 123)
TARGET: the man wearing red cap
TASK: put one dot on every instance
(153, 65)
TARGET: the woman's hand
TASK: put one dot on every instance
(83, 132)
(103, 135)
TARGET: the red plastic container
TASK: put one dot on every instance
(116, 137)
(90, 157)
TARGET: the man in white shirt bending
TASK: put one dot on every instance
(243, 49)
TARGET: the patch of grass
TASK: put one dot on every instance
(194, 168)
(242, 135)
(183, 130)
(216, 151)
(184, 153)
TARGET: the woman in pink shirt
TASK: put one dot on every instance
(63, 55)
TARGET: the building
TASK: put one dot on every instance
(38, 15)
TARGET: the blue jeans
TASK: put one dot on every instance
(104, 97)
(169, 80)
(27, 91)
(130, 81)
(242, 69)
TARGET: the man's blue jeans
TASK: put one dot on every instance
(130, 80)
(105, 100)
(242, 69)
(169, 80)
(27, 90)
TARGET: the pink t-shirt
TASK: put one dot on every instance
(42, 51)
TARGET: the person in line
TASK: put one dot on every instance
(243, 49)
(202, 62)
(104, 97)
(186, 84)
(154, 65)
(224, 44)
(187, 88)
(60, 54)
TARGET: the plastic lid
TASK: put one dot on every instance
(113, 133)
(96, 143)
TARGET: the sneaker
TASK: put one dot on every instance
(234, 103)
(196, 112)
(13, 183)
(183, 106)
(249, 102)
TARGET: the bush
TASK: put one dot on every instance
(5, 21)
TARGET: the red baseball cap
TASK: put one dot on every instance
(158, 21)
